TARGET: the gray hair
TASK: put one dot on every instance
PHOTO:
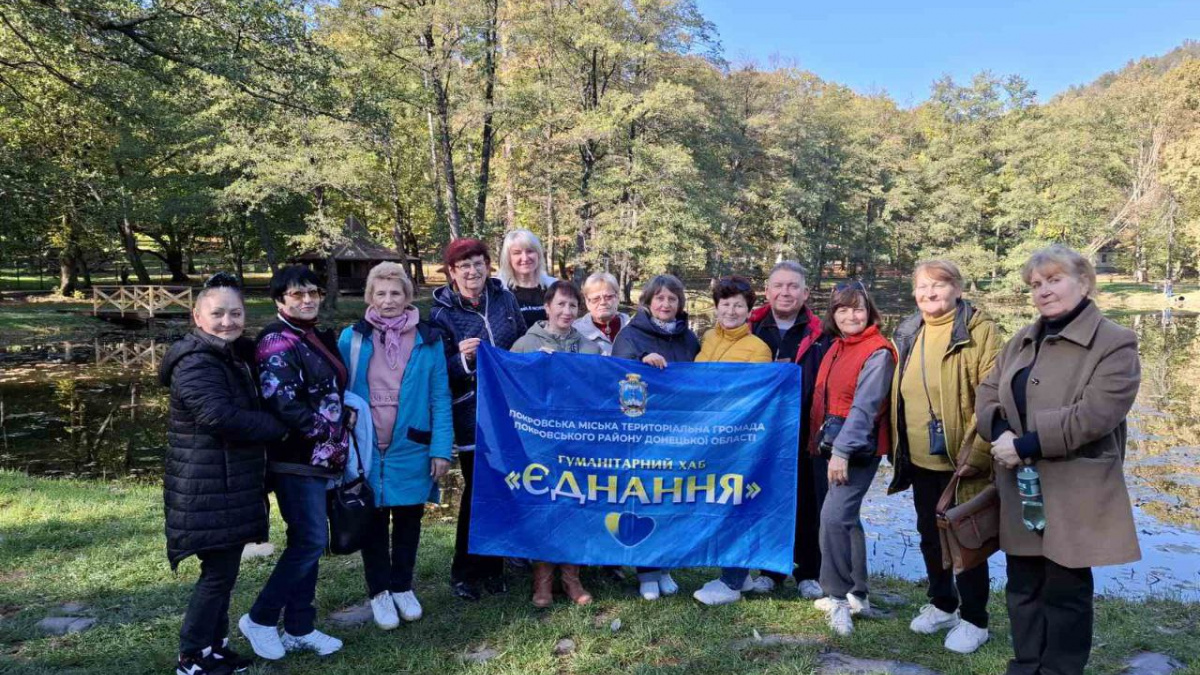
(602, 278)
(525, 239)
(1063, 259)
(669, 282)
(791, 266)
(387, 271)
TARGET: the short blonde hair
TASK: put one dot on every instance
(387, 271)
(939, 270)
(602, 278)
(1061, 259)
(525, 239)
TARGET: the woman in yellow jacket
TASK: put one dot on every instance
(731, 341)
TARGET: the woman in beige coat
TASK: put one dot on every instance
(1057, 401)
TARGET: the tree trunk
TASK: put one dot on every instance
(489, 91)
(441, 98)
(265, 240)
(126, 231)
(332, 288)
(510, 199)
(67, 258)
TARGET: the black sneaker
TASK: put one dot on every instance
(497, 585)
(224, 655)
(465, 590)
(194, 664)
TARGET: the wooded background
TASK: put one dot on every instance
(238, 131)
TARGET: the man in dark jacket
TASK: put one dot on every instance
(214, 498)
(794, 335)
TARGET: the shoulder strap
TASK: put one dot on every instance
(924, 382)
(356, 340)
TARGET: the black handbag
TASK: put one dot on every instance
(351, 506)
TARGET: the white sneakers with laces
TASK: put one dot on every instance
(759, 584)
(931, 620)
(316, 641)
(408, 605)
(264, 640)
(809, 589)
(383, 610)
(839, 618)
(667, 585)
(856, 604)
(716, 592)
(966, 637)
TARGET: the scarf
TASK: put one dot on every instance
(393, 331)
(394, 340)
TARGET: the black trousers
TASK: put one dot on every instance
(1050, 609)
(466, 566)
(206, 623)
(974, 584)
(811, 486)
(391, 568)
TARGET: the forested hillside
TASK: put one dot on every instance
(242, 130)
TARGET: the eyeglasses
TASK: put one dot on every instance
(468, 266)
(607, 297)
(299, 296)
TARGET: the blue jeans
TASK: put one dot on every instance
(293, 584)
(734, 577)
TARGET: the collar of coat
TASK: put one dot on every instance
(448, 296)
(1081, 331)
(959, 334)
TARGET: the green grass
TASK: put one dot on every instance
(101, 544)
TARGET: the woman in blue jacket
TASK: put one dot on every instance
(398, 365)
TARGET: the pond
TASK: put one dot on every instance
(96, 410)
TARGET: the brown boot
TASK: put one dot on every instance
(573, 587)
(543, 584)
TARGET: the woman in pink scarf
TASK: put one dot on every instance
(398, 365)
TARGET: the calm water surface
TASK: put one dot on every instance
(96, 410)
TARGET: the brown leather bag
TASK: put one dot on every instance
(970, 532)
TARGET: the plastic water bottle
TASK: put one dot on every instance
(1029, 485)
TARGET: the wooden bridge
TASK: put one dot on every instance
(141, 302)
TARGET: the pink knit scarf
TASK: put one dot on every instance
(394, 340)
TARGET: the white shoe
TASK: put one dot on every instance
(264, 640)
(667, 585)
(966, 637)
(931, 619)
(384, 611)
(809, 589)
(759, 584)
(839, 618)
(716, 592)
(409, 606)
(316, 641)
(857, 605)
(649, 590)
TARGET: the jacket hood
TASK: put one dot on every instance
(446, 296)
(196, 342)
(588, 329)
(644, 323)
(559, 342)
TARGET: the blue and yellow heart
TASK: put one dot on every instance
(629, 529)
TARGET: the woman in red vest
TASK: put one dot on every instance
(850, 412)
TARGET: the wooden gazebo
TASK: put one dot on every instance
(354, 257)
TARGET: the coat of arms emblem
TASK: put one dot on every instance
(633, 395)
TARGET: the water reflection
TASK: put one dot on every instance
(96, 409)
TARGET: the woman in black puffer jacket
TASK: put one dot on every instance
(213, 488)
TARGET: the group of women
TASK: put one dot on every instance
(393, 400)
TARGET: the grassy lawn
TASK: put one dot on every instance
(101, 544)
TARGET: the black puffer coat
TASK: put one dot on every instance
(497, 320)
(642, 336)
(213, 485)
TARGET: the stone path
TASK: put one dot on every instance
(836, 663)
(1151, 663)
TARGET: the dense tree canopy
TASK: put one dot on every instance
(245, 129)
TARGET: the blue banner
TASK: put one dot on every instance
(603, 461)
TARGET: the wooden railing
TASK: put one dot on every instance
(139, 299)
(129, 354)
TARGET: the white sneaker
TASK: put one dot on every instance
(809, 589)
(759, 584)
(931, 619)
(316, 641)
(409, 606)
(384, 611)
(966, 637)
(857, 605)
(667, 585)
(716, 592)
(839, 618)
(264, 640)
(649, 590)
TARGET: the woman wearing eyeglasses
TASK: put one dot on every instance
(471, 309)
(301, 378)
(946, 349)
(850, 414)
(603, 321)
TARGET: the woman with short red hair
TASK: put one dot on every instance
(470, 309)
